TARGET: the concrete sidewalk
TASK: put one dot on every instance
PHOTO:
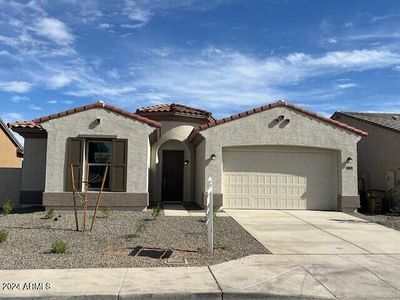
(359, 276)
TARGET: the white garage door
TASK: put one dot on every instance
(280, 179)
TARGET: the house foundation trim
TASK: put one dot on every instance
(116, 200)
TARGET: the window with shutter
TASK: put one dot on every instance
(75, 157)
(98, 155)
(119, 165)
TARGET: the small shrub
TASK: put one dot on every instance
(219, 246)
(59, 247)
(6, 208)
(156, 211)
(391, 217)
(139, 229)
(3, 235)
(106, 210)
(49, 214)
(215, 210)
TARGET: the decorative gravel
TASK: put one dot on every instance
(385, 220)
(113, 239)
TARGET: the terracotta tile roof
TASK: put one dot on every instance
(390, 121)
(173, 107)
(271, 106)
(35, 124)
(24, 124)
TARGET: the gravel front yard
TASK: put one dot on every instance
(385, 220)
(113, 239)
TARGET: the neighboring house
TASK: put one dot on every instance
(276, 156)
(379, 153)
(11, 151)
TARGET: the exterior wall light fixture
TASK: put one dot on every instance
(213, 156)
(186, 162)
(349, 160)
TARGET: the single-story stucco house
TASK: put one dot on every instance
(379, 152)
(277, 156)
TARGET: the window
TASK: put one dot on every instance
(98, 157)
(91, 157)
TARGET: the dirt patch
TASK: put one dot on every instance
(114, 239)
(391, 221)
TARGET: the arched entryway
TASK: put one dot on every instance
(174, 172)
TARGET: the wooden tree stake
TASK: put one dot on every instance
(74, 197)
(98, 199)
(85, 199)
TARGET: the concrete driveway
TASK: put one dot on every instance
(317, 232)
(318, 255)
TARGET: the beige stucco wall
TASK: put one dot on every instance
(201, 162)
(10, 185)
(34, 169)
(173, 137)
(8, 152)
(112, 124)
(259, 129)
(378, 153)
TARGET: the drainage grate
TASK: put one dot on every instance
(151, 252)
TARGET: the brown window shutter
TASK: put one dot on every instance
(119, 165)
(75, 157)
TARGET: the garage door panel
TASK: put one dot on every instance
(279, 180)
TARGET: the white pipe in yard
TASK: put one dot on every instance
(209, 223)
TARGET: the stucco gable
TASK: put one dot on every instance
(194, 135)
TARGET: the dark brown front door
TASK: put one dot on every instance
(172, 176)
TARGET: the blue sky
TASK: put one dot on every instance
(224, 56)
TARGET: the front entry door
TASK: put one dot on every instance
(172, 176)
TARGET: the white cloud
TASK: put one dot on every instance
(54, 30)
(59, 81)
(17, 99)
(34, 107)
(345, 85)
(15, 86)
(136, 11)
(12, 116)
(332, 40)
(57, 101)
(4, 52)
(216, 78)
(130, 26)
(142, 11)
(88, 89)
(384, 17)
(373, 35)
(105, 26)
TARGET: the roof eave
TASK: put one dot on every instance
(366, 121)
(10, 135)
